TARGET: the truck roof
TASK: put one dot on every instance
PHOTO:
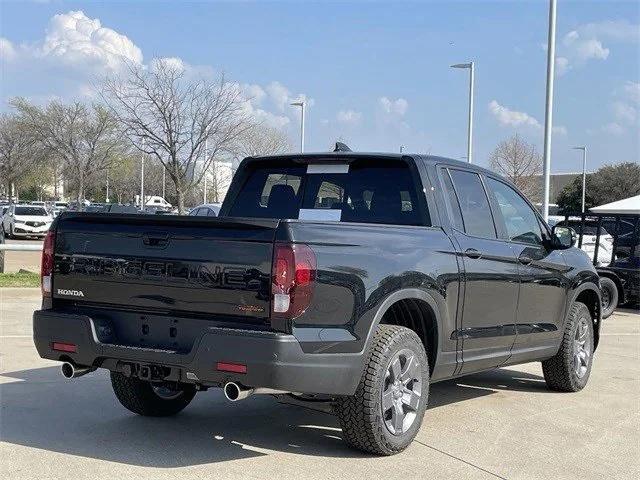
(341, 156)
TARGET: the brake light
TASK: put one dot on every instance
(46, 267)
(294, 272)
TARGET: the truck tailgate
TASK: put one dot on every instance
(203, 266)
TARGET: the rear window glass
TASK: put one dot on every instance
(384, 192)
(36, 211)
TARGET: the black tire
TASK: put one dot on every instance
(364, 425)
(140, 397)
(564, 372)
(609, 296)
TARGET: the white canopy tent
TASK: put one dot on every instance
(629, 206)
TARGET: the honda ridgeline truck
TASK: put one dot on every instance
(351, 278)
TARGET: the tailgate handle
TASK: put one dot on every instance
(158, 240)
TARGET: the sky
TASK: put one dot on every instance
(374, 74)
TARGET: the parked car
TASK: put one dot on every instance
(26, 221)
(619, 278)
(589, 232)
(418, 269)
(205, 210)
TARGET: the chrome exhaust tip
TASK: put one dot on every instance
(69, 370)
(234, 392)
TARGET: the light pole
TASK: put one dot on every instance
(548, 111)
(107, 194)
(301, 104)
(142, 176)
(164, 182)
(584, 174)
(204, 166)
(471, 68)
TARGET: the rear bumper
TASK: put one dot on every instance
(273, 360)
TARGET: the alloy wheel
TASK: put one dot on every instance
(401, 392)
(582, 348)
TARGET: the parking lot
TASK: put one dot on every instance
(500, 424)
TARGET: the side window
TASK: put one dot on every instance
(452, 200)
(202, 212)
(520, 220)
(474, 204)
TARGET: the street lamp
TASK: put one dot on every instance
(548, 110)
(584, 174)
(144, 144)
(471, 68)
(301, 104)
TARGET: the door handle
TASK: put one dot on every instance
(472, 253)
(525, 260)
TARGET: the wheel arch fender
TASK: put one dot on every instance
(584, 291)
(407, 294)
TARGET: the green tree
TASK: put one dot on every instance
(609, 184)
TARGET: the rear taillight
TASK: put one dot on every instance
(46, 268)
(294, 272)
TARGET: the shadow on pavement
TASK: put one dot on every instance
(82, 417)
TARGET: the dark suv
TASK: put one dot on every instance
(354, 279)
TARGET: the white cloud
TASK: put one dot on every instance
(562, 65)
(585, 49)
(614, 128)
(396, 107)
(587, 42)
(75, 39)
(559, 130)
(281, 97)
(624, 112)
(254, 93)
(615, 30)
(512, 118)
(7, 50)
(632, 90)
(349, 117)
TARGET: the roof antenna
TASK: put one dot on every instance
(341, 147)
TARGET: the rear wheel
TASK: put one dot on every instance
(569, 369)
(149, 399)
(386, 412)
(609, 296)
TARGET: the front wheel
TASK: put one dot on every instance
(149, 399)
(385, 414)
(609, 296)
(569, 369)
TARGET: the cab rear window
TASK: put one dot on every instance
(383, 192)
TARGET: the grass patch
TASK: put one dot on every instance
(20, 279)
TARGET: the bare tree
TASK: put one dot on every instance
(518, 161)
(259, 140)
(85, 138)
(170, 116)
(17, 152)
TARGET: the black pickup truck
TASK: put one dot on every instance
(348, 278)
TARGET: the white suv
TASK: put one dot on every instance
(26, 221)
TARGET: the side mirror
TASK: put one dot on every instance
(565, 236)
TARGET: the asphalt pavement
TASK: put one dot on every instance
(499, 424)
